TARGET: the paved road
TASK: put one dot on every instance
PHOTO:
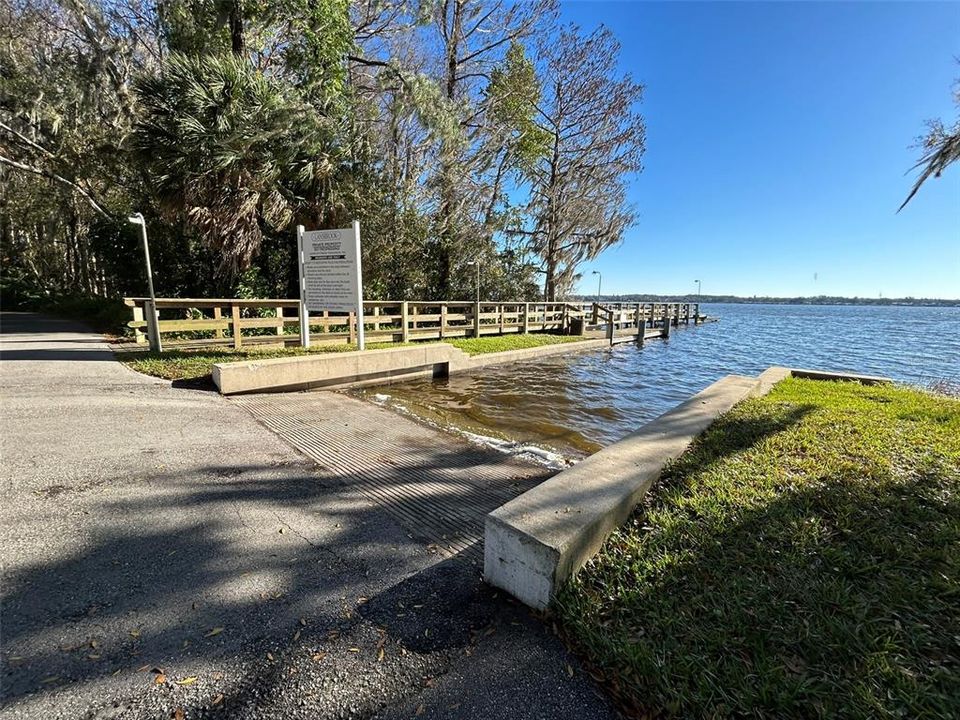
(147, 528)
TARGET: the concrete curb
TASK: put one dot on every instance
(356, 368)
(537, 541)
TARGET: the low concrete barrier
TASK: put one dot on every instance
(350, 369)
(335, 369)
(537, 541)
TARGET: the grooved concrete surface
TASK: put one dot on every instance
(436, 485)
(146, 527)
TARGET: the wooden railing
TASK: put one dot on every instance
(238, 322)
(652, 314)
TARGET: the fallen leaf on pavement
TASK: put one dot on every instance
(214, 631)
(178, 714)
(134, 633)
(569, 669)
(217, 700)
(160, 679)
(187, 680)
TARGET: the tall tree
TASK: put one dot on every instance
(472, 38)
(226, 147)
(578, 204)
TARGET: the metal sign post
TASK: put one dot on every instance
(359, 285)
(330, 274)
(303, 312)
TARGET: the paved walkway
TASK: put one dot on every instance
(147, 528)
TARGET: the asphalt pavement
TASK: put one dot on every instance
(165, 556)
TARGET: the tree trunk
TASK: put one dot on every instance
(448, 200)
(236, 27)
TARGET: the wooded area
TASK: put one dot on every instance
(456, 131)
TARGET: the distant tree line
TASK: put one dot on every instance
(767, 300)
(455, 131)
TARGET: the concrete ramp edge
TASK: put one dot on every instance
(537, 541)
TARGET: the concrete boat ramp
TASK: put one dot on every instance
(163, 553)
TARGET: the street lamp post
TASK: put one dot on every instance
(698, 289)
(599, 283)
(152, 317)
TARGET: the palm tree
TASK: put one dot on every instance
(941, 148)
(227, 150)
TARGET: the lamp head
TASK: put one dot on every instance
(136, 219)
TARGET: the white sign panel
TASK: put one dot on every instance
(331, 275)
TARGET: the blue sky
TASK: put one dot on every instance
(778, 140)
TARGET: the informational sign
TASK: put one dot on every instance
(330, 277)
(330, 274)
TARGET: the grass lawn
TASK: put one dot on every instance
(198, 364)
(801, 560)
(502, 343)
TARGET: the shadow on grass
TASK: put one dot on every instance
(835, 598)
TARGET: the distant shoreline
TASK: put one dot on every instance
(819, 300)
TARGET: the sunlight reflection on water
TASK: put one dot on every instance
(574, 404)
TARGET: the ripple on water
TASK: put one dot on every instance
(572, 405)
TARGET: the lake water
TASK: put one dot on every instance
(566, 406)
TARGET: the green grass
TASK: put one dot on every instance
(801, 560)
(198, 364)
(502, 343)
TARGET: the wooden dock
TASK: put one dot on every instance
(237, 323)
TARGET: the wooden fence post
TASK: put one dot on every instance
(139, 336)
(502, 313)
(235, 325)
(665, 330)
(476, 319)
(696, 314)
(353, 335)
(404, 317)
(526, 318)
(443, 320)
(279, 320)
(218, 315)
